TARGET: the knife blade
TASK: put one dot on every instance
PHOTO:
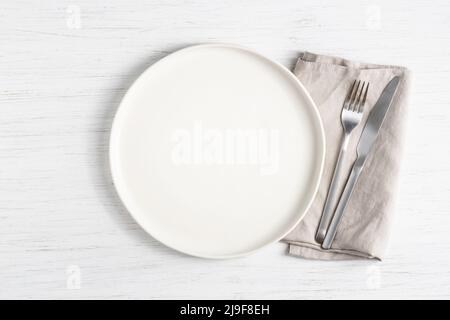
(376, 117)
(366, 141)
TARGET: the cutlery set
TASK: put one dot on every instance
(225, 209)
(352, 113)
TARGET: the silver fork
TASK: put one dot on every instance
(350, 117)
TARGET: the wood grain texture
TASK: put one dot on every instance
(64, 66)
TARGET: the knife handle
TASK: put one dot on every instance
(349, 186)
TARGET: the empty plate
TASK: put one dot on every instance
(217, 151)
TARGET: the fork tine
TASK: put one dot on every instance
(363, 102)
(358, 98)
(349, 95)
(353, 99)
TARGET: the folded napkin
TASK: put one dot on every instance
(364, 228)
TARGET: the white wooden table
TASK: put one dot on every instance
(64, 66)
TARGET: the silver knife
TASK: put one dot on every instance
(368, 137)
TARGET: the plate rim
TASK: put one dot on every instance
(114, 136)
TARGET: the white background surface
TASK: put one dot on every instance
(64, 66)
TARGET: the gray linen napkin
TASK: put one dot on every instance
(364, 228)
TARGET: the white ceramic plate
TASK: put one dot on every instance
(217, 151)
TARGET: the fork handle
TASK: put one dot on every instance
(349, 186)
(330, 202)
